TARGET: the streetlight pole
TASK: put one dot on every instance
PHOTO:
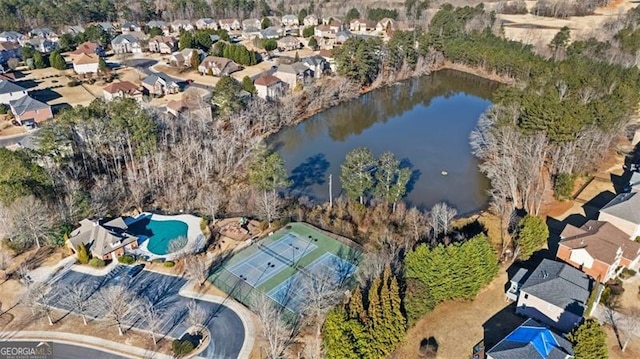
(330, 191)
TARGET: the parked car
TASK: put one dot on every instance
(135, 270)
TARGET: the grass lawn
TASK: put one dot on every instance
(458, 326)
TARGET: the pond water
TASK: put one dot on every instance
(425, 122)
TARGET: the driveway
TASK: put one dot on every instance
(227, 330)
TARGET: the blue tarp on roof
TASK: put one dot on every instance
(541, 338)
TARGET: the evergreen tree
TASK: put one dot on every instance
(313, 43)
(589, 341)
(339, 336)
(195, 60)
(57, 61)
(82, 253)
(247, 85)
(40, 61)
(301, 15)
(356, 306)
(532, 235)
(352, 14)
(265, 23)
(185, 41)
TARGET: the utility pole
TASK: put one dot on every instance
(330, 192)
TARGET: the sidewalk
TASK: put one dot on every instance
(85, 341)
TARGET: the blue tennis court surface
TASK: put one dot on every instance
(328, 267)
(272, 259)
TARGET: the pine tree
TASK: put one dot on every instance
(532, 235)
(374, 308)
(338, 337)
(356, 306)
(589, 341)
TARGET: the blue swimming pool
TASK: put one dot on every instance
(158, 233)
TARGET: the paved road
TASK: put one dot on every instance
(227, 330)
(4, 142)
(68, 351)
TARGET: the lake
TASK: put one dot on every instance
(425, 122)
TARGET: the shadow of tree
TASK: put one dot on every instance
(310, 172)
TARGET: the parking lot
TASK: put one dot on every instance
(227, 330)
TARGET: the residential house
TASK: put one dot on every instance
(385, 25)
(251, 23)
(531, 340)
(288, 43)
(42, 45)
(126, 43)
(191, 107)
(183, 58)
(343, 36)
(328, 55)
(324, 31)
(160, 84)
(86, 64)
(159, 24)
(217, 66)
(317, 64)
(623, 212)
(310, 20)
(207, 23)
(275, 20)
(28, 110)
(107, 27)
(599, 249)
(230, 24)
(129, 27)
(88, 47)
(140, 36)
(10, 91)
(122, 89)
(335, 26)
(555, 294)
(104, 239)
(362, 25)
(12, 36)
(269, 87)
(290, 20)
(515, 283)
(10, 76)
(294, 74)
(634, 182)
(163, 44)
(250, 32)
(44, 33)
(271, 32)
(178, 25)
(9, 50)
(73, 30)
(214, 38)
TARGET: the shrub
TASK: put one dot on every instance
(203, 224)
(158, 260)
(82, 253)
(4, 109)
(169, 264)
(181, 347)
(73, 83)
(96, 263)
(126, 259)
(627, 273)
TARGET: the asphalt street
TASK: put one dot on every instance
(227, 330)
(68, 351)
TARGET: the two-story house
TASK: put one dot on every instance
(163, 44)
(217, 66)
(207, 23)
(10, 91)
(88, 47)
(290, 20)
(159, 84)
(623, 212)
(310, 20)
(269, 87)
(294, 75)
(122, 89)
(126, 43)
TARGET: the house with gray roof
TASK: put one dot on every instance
(160, 84)
(10, 91)
(634, 182)
(555, 294)
(73, 29)
(126, 43)
(272, 32)
(159, 24)
(29, 111)
(207, 23)
(129, 27)
(12, 36)
(317, 64)
(532, 340)
(44, 33)
(290, 20)
(104, 239)
(107, 26)
(623, 212)
(343, 36)
(295, 74)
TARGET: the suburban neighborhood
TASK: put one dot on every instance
(273, 180)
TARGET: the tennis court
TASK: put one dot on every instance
(275, 266)
(272, 259)
(329, 268)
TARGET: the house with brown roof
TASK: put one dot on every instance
(324, 31)
(386, 24)
(288, 43)
(269, 87)
(88, 47)
(86, 64)
(104, 239)
(194, 108)
(361, 25)
(218, 66)
(163, 44)
(183, 58)
(599, 249)
(122, 89)
(230, 24)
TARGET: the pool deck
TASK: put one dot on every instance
(194, 233)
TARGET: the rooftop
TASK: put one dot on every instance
(625, 206)
(27, 103)
(532, 340)
(9, 87)
(267, 80)
(601, 240)
(123, 86)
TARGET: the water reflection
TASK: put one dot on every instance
(425, 122)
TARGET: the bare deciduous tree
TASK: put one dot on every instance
(629, 324)
(195, 268)
(29, 221)
(35, 297)
(76, 297)
(279, 333)
(441, 216)
(152, 320)
(195, 314)
(115, 303)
